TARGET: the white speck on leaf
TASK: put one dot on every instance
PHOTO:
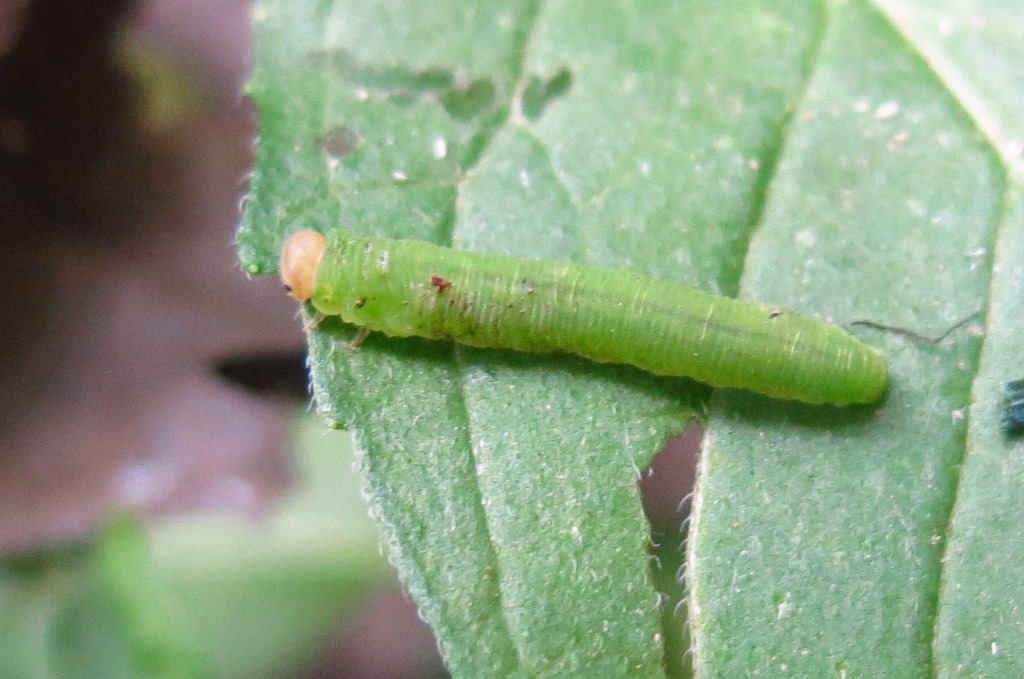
(916, 207)
(725, 142)
(576, 535)
(887, 110)
(440, 148)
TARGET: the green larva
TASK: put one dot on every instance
(406, 287)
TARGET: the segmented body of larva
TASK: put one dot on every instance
(405, 288)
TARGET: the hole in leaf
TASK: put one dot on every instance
(668, 482)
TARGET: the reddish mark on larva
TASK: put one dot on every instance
(440, 282)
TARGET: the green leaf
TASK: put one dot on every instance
(820, 545)
(852, 160)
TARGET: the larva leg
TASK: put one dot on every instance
(314, 322)
(915, 336)
(360, 337)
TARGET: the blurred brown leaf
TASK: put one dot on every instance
(121, 292)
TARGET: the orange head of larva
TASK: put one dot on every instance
(299, 260)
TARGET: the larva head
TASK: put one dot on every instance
(299, 261)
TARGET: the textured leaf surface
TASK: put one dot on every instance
(852, 160)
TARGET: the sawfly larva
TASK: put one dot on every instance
(406, 287)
